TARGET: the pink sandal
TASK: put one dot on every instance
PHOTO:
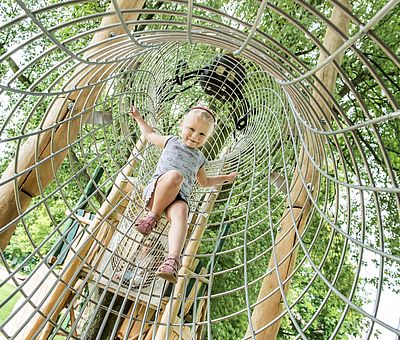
(146, 225)
(170, 268)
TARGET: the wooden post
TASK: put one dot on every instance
(171, 310)
(99, 226)
(295, 216)
(17, 194)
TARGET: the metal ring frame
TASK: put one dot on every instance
(354, 207)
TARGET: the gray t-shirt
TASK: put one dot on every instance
(177, 156)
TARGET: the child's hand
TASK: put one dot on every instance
(134, 113)
(231, 177)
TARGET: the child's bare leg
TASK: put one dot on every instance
(167, 188)
(177, 213)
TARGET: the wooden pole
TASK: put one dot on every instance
(171, 309)
(295, 216)
(99, 226)
(17, 194)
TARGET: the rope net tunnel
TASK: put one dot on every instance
(304, 244)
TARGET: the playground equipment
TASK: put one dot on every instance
(316, 206)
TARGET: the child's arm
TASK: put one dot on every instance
(210, 181)
(147, 130)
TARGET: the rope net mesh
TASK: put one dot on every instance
(304, 244)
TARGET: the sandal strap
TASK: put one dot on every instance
(154, 216)
(175, 265)
(146, 224)
(176, 258)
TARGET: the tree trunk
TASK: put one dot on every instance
(17, 193)
(282, 261)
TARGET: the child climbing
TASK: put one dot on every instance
(168, 191)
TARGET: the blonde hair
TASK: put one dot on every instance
(204, 112)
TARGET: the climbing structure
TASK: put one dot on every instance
(304, 244)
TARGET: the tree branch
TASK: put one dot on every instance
(157, 5)
(14, 67)
(387, 75)
(362, 76)
(298, 54)
(371, 149)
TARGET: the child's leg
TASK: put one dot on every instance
(177, 213)
(167, 188)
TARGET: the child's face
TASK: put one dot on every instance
(195, 130)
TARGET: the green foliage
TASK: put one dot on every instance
(111, 144)
(376, 151)
(28, 237)
(5, 291)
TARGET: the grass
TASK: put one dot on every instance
(6, 291)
